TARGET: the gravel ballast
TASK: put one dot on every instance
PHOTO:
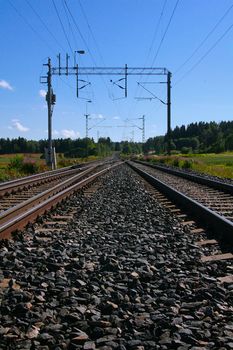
(123, 275)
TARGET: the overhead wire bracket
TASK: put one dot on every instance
(86, 83)
(150, 98)
(125, 87)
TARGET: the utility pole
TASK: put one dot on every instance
(51, 99)
(169, 112)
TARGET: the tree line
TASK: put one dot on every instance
(70, 148)
(202, 137)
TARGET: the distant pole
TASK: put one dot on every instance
(86, 115)
(143, 129)
(169, 112)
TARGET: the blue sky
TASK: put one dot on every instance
(113, 33)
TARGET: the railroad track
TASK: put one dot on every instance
(197, 211)
(33, 196)
(34, 182)
(207, 200)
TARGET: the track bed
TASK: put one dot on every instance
(122, 274)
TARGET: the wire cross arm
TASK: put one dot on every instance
(109, 71)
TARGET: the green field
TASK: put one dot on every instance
(214, 164)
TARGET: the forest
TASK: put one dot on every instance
(78, 148)
(201, 137)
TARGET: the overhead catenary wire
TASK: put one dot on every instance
(45, 25)
(80, 33)
(91, 31)
(87, 47)
(165, 33)
(62, 26)
(70, 26)
(137, 89)
(29, 25)
(204, 40)
(74, 38)
(156, 30)
(205, 55)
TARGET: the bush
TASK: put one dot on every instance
(4, 176)
(19, 165)
(176, 162)
(30, 167)
(16, 163)
(188, 164)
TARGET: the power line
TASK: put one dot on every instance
(31, 27)
(70, 26)
(87, 47)
(204, 56)
(204, 40)
(165, 32)
(137, 89)
(63, 28)
(44, 24)
(74, 38)
(91, 31)
(79, 31)
(156, 30)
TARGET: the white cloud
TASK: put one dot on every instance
(18, 126)
(5, 85)
(66, 133)
(55, 133)
(116, 118)
(97, 116)
(42, 93)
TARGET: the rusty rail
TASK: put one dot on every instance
(19, 216)
(219, 224)
(25, 182)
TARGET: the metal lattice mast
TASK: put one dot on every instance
(143, 129)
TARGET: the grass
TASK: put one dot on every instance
(7, 173)
(213, 164)
(32, 161)
(5, 159)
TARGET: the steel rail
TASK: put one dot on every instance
(216, 184)
(17, 184)
(218, 224)
(13, 184)
(21, 219)
(11, 212)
